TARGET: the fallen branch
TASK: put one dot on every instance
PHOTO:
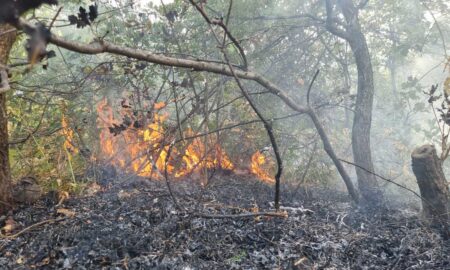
(32, 227)
(244, 215)
(102, 46)
(297, 209)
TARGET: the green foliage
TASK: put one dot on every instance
(280, 43)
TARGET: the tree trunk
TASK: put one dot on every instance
(362, 121)
(427, 168)
(7, 39)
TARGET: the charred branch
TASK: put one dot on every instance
(245, 215)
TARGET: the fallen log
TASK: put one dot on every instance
(427, 168)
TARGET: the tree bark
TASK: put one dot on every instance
(362, 121)
(7, 39)
(362, 154)
(427, 168)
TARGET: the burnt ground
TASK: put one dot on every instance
(133, 224)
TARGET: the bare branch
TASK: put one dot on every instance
(330, 25)
(310, 86)
(143, 55)
(362, 4)
(220, 23)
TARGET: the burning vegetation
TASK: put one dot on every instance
(141, 144)
(256, 167)
(147, 156)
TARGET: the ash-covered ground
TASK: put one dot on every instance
(134, 224)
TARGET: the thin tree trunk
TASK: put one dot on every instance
(6, 42)
(362, 121)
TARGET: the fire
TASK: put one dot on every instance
(258, 160)
(143, 149)
(105, 118)
(67, 132)
(195, 158)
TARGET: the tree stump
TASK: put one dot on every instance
(427, 168)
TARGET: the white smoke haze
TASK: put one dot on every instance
(288, 51)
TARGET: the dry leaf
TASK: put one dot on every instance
(93, 188)
(62, 196)
(10, 226)
(66, 212)
(20, 260)
(302, 261)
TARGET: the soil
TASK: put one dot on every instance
(133, 223)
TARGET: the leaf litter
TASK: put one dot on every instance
(134, 224)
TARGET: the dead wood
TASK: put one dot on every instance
(32, 227)
(244, 215)
(427, 168)
(136, 222)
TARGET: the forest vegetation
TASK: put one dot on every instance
(322, 121)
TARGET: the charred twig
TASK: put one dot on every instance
(244, 215)
(32, 227)
(177, 111)
(296, 209)
(166, 176)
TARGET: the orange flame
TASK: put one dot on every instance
(141, 150)
(67, 132)
(258, 159)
